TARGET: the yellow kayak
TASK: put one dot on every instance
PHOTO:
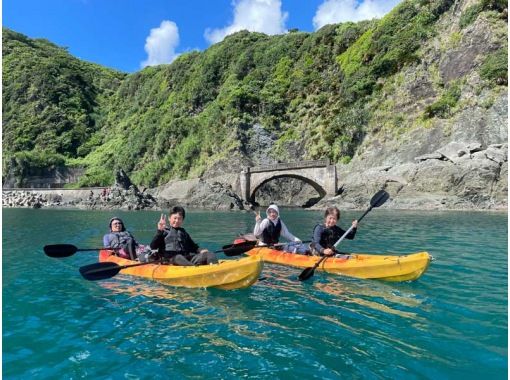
(381, 267)
(227, 274)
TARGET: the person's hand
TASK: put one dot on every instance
(204, 250)
(162, 223)
(328, 252)
(257, 216)
(355, 223)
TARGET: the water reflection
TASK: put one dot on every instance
(376, 297)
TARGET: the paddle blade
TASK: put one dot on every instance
(306, 274)
(379, 198)
(237, 249)
(100, 271)
(60, 250)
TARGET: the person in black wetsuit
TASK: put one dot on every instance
(327, 234)
(175, 245)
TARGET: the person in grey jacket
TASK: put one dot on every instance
(120, 239)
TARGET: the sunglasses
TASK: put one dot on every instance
(117, 224)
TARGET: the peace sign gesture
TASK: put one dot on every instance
(162, 222)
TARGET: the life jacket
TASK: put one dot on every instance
(120, 239)
(271, 233)
(177, 241)
(329, 235)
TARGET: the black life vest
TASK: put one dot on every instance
(329, 235)
(177, 241)
(271, 233)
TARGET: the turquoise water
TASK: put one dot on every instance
(449, 324)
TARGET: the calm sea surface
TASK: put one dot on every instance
(452, 323)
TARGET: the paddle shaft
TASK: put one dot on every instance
(337, 242)
(117, 269)
(341, 238)
(138, 264)
(308, 272)
(282, 244)
(351, 227)
(377, 200)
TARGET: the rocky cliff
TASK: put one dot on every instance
(453, 160)
(416, 103)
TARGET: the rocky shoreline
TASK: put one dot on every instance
(89, 199)
(454, 177)
(125, 201)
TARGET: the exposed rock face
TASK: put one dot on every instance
(117, 198)
(462, 59)
(206, 194)
(459, 161)
(215, 195)
(122, 181)
(456, 176)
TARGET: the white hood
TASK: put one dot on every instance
(275, 208)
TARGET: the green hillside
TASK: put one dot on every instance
(314, 95)
(53, 103)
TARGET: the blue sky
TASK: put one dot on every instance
(129, 34)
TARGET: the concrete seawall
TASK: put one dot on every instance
(37, 197)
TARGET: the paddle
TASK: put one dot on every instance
(107, 269)
(237, 249)
(377, 200)
(101, 271)
(65, 250)
(289, 243)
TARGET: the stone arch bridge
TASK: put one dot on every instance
(320, 174)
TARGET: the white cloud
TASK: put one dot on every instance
(263, 16)
(161, 43)
(336, 11)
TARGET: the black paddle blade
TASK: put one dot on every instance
(306, 274)
(100, 271)
(379, 198)
(237, 249)
(60, 250)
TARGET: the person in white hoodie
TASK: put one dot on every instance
(270, 229)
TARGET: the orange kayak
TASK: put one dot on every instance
(381, 267)
(227, 274)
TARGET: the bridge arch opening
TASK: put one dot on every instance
(287, 190)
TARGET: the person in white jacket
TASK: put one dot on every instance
(270, 229)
